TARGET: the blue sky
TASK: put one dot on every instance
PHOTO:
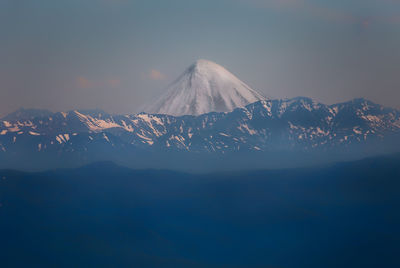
(118, 54)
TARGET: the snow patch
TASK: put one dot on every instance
(105, 137)
(357, 130)
(34, 133)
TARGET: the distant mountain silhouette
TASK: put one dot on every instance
(340, 215)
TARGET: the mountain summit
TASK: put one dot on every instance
(204, 87)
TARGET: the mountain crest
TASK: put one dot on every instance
(204, 87)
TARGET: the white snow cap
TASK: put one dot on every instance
(204, 87)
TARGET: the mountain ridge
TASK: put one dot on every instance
(268, 128)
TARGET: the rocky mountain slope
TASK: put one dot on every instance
(270, 126)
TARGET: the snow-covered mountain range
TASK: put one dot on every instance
(207, 114)
(270, 126)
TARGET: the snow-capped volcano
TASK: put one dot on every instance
(204, 87)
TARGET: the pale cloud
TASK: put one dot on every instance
(321, 11)
(273, 3)
(330, 14)
(365, 23)
(114, 82)
(156, 75)
(391, 19)
(86, 83)
(305, 8)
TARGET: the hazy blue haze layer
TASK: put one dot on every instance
(102, 215)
